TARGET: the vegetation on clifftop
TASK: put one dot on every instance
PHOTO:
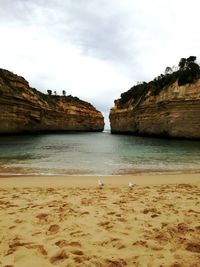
(188, 71)
(17, 84)
(53, 99)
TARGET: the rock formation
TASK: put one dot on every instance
(24, 109)
(167, 106)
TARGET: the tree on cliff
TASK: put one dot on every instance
(187, 63)
(49, 92)
(191, 59)
(182, 63)
(168, 70)
(189, 70)
(64, 93)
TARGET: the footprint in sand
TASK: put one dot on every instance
(76, 233)
(64, 243)
(80, 259)
(15, 243)
(39, 248)
(154, 215)
(58, 256)
(115, 263)
(193, 247)
(18, 221)
(77, 252)
(36, 233)
(105, 225)
(183, 228)
(85, 202)
(111, 213)
(150, 210)
(53, 229)
(119, 245)
(12, 227)
(42, 217)
(176, 265)
(142, 243)
(85, 213)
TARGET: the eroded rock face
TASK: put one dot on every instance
(173, 112)
(24, 109)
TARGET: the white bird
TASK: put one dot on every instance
(131, 185)
(101, 184)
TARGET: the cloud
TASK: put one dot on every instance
(95, 49)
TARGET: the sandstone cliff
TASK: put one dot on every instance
(168, 106)
(24, 109)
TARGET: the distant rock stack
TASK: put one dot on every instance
(168, 106)
(25, 110)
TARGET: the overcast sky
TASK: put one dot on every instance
(96, 49)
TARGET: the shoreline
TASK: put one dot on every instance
(91, 180)
(29, 172)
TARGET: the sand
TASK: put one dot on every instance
(69, 221)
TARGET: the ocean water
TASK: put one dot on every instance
(95, 154)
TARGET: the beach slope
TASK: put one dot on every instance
(69, 221)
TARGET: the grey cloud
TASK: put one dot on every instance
(137, 39)
(98, 28)
(27, 12)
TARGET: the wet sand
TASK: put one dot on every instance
(69, 221)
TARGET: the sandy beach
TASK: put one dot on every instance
(69, 221)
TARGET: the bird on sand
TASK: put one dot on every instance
(100, 184)
(131, 185)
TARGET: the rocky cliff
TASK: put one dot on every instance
(168, 106)
(24, 109)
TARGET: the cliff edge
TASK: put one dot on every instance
(24, 109)
(167, 106)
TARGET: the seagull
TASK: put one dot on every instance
(131, 185)
(101, 184)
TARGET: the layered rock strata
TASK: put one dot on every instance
(173, 112)
(24, 109)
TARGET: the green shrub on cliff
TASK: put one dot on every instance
(188, 71)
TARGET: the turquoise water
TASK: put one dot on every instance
(95, 153)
